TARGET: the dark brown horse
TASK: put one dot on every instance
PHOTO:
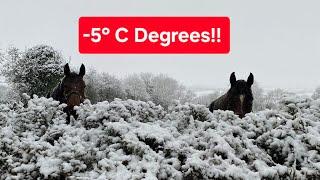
(70, 90)
(238, 98)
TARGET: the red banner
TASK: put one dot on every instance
(160, 35)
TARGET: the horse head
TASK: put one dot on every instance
(73, 87)
(240, 95)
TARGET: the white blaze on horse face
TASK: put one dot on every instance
(241, 100)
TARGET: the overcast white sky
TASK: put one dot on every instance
(278, 41)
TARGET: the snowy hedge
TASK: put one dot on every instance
(135, 140)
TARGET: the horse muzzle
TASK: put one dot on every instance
(74, 99)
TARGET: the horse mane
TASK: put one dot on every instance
(57, 93)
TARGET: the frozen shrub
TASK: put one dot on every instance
(316, 93)
(136, 88)
(35, 71)
(103, 87)
(160, 89)
(127, 139)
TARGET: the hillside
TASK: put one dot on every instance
(134, 140)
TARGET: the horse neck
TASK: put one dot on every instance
(58, 93)
(222, 102)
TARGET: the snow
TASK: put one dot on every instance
(126, 139)
(48, 166)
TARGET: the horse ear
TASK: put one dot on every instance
(82, 70)
(66, 70)
(233, 79)
(250, 79)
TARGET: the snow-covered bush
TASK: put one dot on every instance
(8, 95)
(103, 87)
(136, 88)
(258, 98)
(165, 91)
(35, 71)
(160, 89)
(316, 93)
(135, 140)
(273, 98)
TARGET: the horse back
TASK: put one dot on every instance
(219, 103)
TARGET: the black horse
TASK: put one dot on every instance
(238, 98)
(70, 90)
